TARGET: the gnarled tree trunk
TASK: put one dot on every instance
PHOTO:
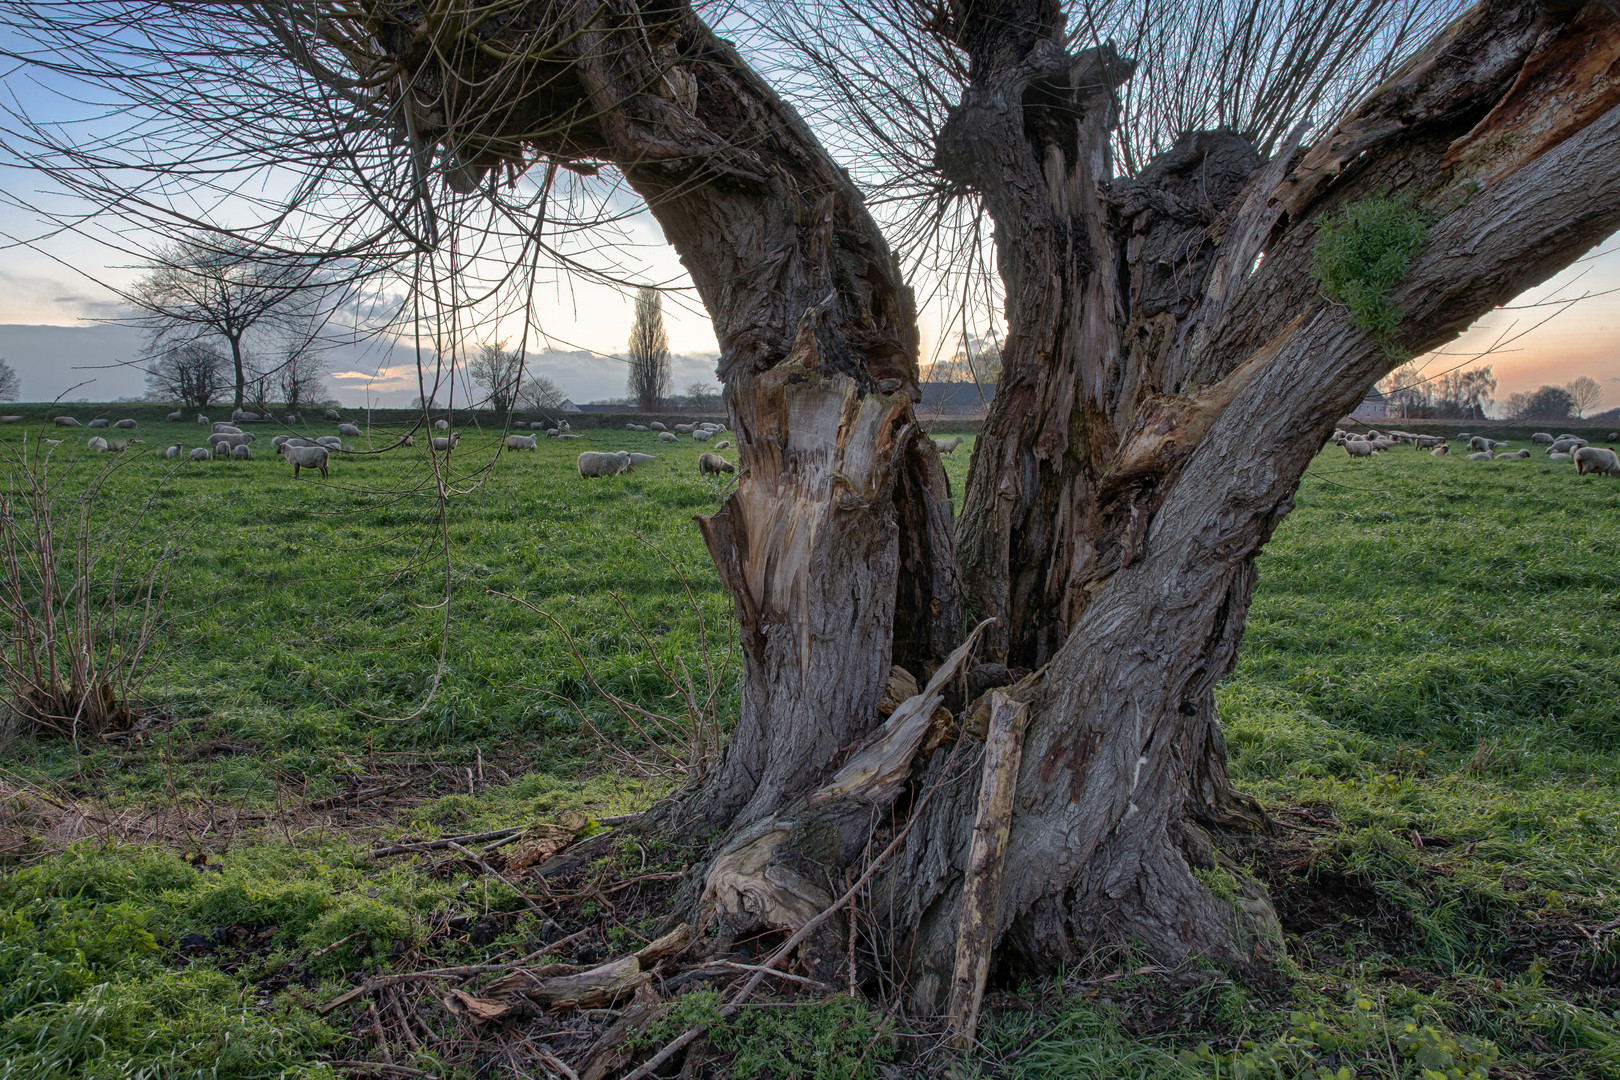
(1170, 371)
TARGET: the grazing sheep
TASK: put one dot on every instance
(230, 439)
(723, 444)
(99, 422)
(220, 425)
(642, 459)
(306, 457)
(566, 435)
(330, 442)
(241, 453)
(1425, 442)
(702, 436)
(445, 442)
(294, 418)
(332, 414)
(947, 446)
(708, 464)
(97, 443)
(1516, 455)
(1596, 459)
(1614, 436)
(172, 452)
(629, 427)
(594, 463)
(275, 443)
(1479, 442)
(201, 454)
(564, 427)
(1440, 451)
(118, 446)
(657, 425)
(1358, 448)
(1483, 455)
(203, 420)
(1559, 455)
(174, 417)
(667, 436)
(126, 424)
(683, 429)
(638, 427)
(349, 430)
(406, 440)
(1566, 445)
(11, 419)
(552, 433)
(1541, 438)
(522, 442)
(438, 425)
(537, 425)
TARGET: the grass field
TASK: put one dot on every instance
(1428, 702)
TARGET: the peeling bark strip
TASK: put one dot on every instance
(981, 889)
(1164, 387)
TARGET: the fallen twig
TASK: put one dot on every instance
(496, 874)
(446, 841)
(354, 797)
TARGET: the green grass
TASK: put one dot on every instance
(1429, 655)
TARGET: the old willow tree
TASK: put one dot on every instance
(1181, 334)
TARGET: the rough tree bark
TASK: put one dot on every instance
(1170, 370)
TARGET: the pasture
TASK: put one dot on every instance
(1427, 702)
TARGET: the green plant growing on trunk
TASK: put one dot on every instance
(1363, 252)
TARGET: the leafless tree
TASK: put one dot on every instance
(300, 378)
(498, 372)
(540, 394)
(10, 384)
(192, 373)
(648, 382)
(1214, 226)
(1586, 393)
(204, 287)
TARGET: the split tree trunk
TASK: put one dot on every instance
(1164, 388)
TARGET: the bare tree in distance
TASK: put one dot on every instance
(1544, 403)
(300, 379)
(648, 353)
(205, 287)
(191, 373)
(498, 372)
(540, 394)
(10, 383)
(1212, 235)
(1586, 394)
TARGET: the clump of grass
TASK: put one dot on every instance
(1363, 253)
(840, 1038)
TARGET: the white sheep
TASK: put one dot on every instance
(1440, 451)
(1559, 455)
(1596, 459)
(305, 457)
(595, 463)
(201, 454)
(203, 420)
(684, 429)
(241, 453)
(537, 425)
(1479, 442)
(438, 425)
(1541, 438)
(331, 442)
(709, 464)
(98, 422)
(642, 459)
(567, 435)
(174, 417)
(702, 436)
(1483, 455)
(276, 442)
(349, 430)
(126, 424)
(522, 442)
(552, 433)
(443, 442)
(947, 446)
(657, 425)
(294, 418)
(723, 444)
(97, 443)
(221, 425)
(172, 452)
(667, 436)
(332, 414)
(1357, 448)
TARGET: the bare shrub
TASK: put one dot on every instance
(82, 612)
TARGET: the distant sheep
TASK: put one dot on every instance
(537, 425)
(306, 457)
(172, 452)
(1358, 448)
(332, 414)
(241, 453)
(126, 424)
(231, 438)
(568, 435)
(221, 425)
(1483, 455)
(552, 433)
(1541, 438)
(294, 418)
(1559, 455)
(637, 460)
(97, 444)
(947, 446)
(709, 464)
(1516, 455)
(1566, 445)
(723, 444)
(445, 442)
(667, 436)
(702, 436)
(1425, 442)
(276, 442)
(330, 442)
(657, 425)
(406, 440)
(11, 419)
(522, 442)
(684, 429)
(349, 430)
(1596, 459)
(203, 420)
(175, 417)
(1478, 443)
(99, 422)
(201, 454)
(1614, 436)
(438, 425)
(594, 463)
(1440, 451)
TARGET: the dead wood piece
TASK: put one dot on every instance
(902, 686)
(595, 986)
(544, 841)
(444, 842)
(492, 872)
(353, 798)
(671, 944)
(981, 884)
(610, 1053)
(481, 1010)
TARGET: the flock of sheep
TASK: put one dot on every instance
(1587, 459)
(594, 463)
